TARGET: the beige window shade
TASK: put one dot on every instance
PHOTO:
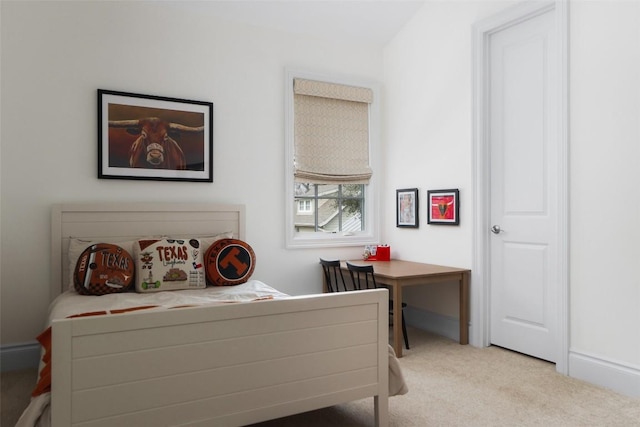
(331, 131)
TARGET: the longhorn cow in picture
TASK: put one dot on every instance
(155, 146)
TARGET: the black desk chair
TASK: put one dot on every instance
(331, 273)
(363, 278)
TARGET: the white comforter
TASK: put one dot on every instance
(71, 303)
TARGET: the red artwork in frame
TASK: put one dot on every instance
(444, 207)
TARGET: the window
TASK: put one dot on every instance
(340, 208)
(304, 206)
(331, 153)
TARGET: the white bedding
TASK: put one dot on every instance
(71, 303)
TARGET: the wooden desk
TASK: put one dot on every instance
(396, 274)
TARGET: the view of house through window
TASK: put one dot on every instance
(329, 208)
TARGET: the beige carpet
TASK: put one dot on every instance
(454, 385)
(449, 385)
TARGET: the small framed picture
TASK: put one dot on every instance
(444, 207)
(154, 138)
(407, 208)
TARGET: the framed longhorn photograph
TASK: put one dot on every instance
(444, 207)
(154, 138)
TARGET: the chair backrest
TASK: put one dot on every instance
(362, 276)
(331, 273)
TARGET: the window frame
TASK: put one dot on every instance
(371, 232)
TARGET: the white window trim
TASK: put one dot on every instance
(371, 234)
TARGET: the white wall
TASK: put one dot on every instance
(604, 179)
(428, 137)
(428, 126)
(55, 55)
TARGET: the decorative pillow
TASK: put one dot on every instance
(77, 246)
(168, 265)
(102, 269)
(229, 262)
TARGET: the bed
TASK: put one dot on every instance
(218, 363)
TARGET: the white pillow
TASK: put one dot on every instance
(208, 239)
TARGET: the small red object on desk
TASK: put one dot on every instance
(383, 253)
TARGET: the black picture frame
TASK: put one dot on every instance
(176, 145)
(443, 207)
(407, 208)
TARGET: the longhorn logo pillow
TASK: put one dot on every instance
(229, 262)
(103, 268)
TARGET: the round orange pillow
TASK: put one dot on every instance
(229, 262)
(102, 269)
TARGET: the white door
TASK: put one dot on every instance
(523, 120)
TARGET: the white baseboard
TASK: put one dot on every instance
(19, 356)
(619, 377)
(432, 322)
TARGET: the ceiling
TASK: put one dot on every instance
(367, 21)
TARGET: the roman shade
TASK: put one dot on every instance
(331, 133)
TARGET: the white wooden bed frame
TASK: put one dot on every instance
(227, 365)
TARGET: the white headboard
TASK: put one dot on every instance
(127, 221)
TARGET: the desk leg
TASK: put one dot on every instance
(464, 308)
(397, 319)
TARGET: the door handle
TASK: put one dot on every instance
(496, 229)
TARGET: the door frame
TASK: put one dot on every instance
(480, 295)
